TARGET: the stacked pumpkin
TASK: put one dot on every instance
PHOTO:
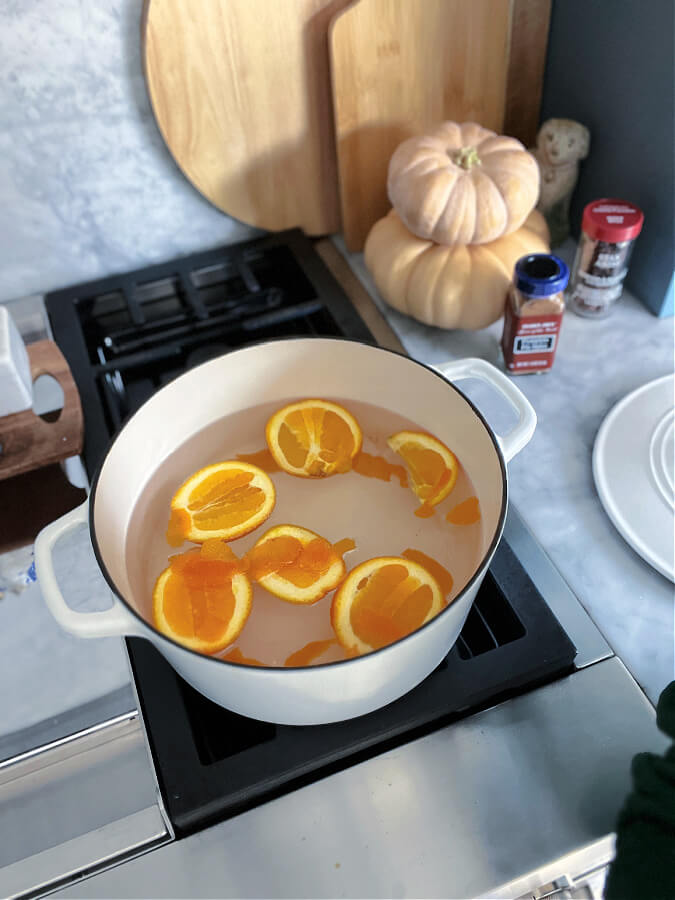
(463, 213)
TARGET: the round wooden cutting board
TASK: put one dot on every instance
(241, 93)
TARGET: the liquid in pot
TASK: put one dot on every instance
(379, 516)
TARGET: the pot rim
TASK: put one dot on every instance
(477, 575)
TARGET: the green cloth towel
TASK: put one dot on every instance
(644, 866)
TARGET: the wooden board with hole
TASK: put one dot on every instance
(241, 93)
(400, 66)
(27, 441)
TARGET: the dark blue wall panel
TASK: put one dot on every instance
(610, 66)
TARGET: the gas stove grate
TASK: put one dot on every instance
(491, 623)
(184, 303)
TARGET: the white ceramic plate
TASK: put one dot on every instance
(634, 471)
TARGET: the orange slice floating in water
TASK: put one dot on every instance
(381, 601)
(432, 466)
(313, 438)
(202, 602)
(225, 500)
(295, 564)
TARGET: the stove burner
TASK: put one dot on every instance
(205, 353)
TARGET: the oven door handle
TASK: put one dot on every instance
(114, 621)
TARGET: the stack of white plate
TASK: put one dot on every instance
(634, 471)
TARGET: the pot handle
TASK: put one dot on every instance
(514, 441)
(114, 621)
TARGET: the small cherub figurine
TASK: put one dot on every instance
(561, 143)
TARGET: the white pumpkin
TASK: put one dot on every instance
(462, 184)
(451, 287)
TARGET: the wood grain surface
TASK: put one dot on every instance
(530, 20)
(241, 93)
(27, 441)
(400, 66)
(32, 500)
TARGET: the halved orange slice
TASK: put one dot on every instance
(432, 466)
(313, 438)
(225, 500)
(295, 564)
(202, 602)
(381, 601)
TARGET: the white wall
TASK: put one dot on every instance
(87, 186)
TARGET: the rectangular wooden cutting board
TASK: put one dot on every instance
(400, 66)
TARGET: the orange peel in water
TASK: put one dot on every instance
(344, 546)
(263, 459)
(439, 572)
(295, 564)
(465, 513)
(236, 656)
(306, 655)
(225, 500)
(372, 466)
(381, 601)
(313, 438)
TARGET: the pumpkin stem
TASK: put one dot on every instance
(465, 157)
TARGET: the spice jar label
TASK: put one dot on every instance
(529, 342)
(609, 260)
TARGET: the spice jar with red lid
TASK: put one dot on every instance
(608, 230)
(533, 314)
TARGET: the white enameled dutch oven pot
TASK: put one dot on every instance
(278, 372)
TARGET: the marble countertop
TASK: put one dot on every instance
(551, 480)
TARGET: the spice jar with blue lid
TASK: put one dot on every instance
(534, 310)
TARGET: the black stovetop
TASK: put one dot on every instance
(126, 336)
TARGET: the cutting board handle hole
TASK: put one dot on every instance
(48, 398)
